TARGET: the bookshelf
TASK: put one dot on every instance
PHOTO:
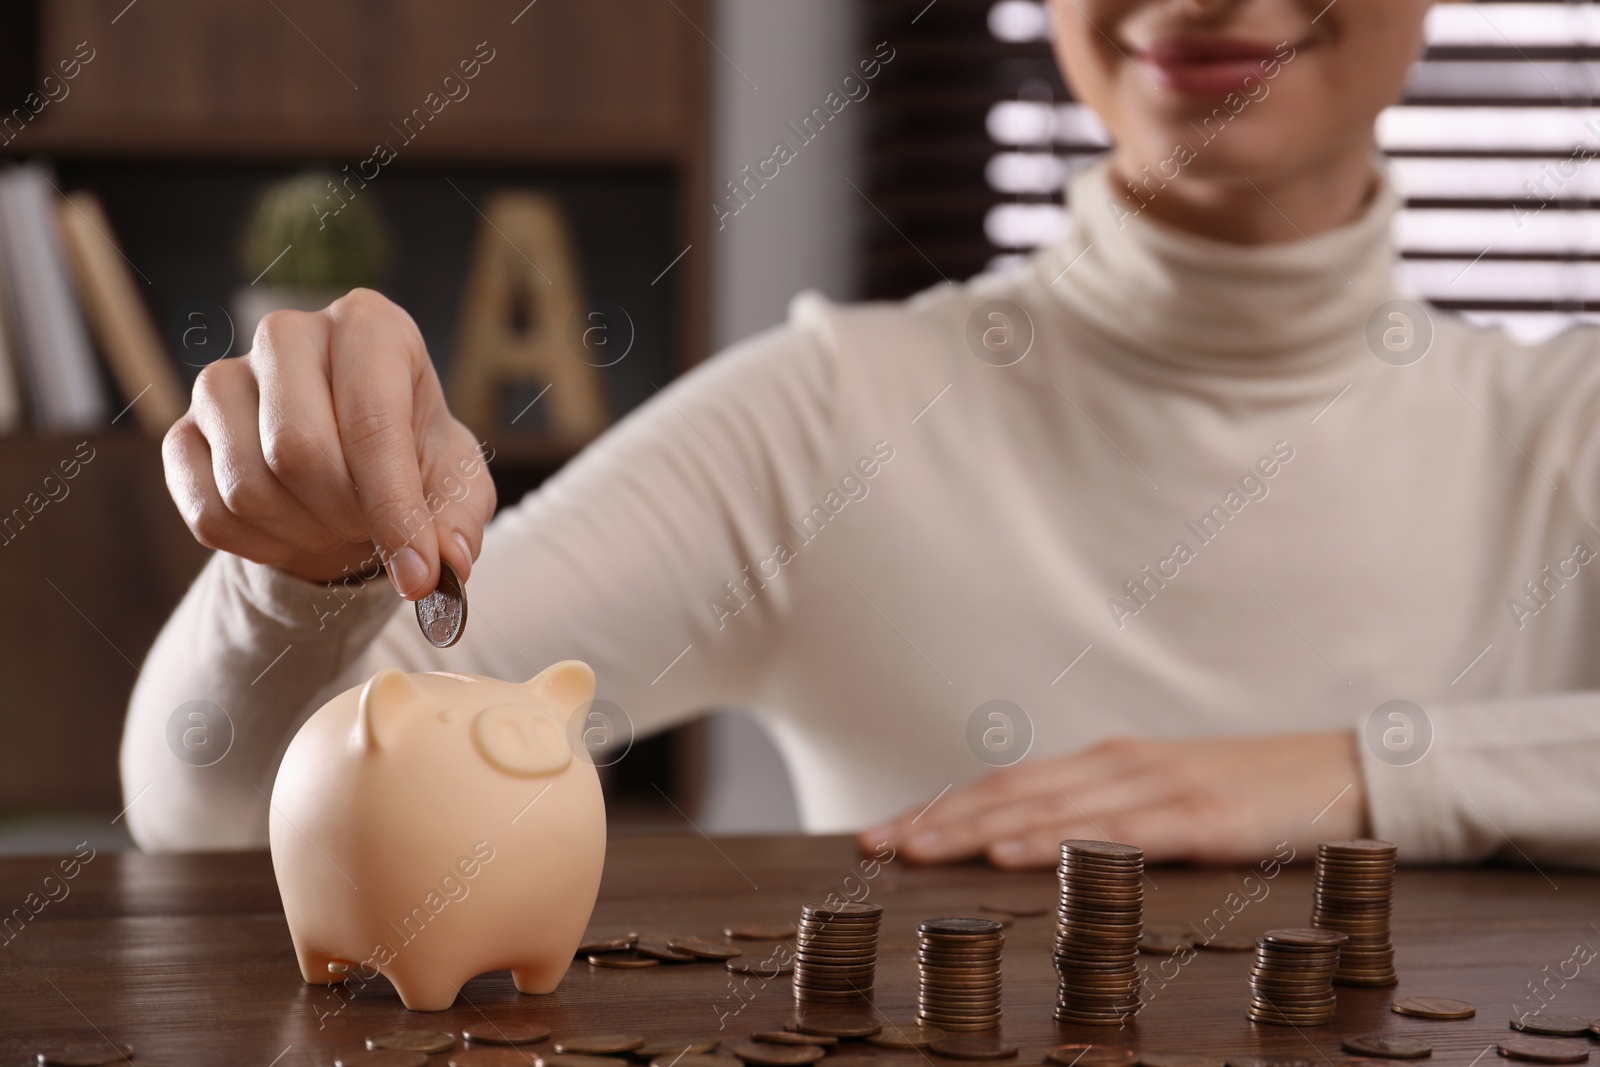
(184, 107)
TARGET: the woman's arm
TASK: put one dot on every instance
(615, 561)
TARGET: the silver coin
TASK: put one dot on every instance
(442, 614)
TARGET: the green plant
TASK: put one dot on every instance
(334, 240)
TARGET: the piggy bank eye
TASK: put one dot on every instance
(521, 739)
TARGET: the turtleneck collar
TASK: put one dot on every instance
(1187, 301)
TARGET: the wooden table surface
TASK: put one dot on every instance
(188, 958)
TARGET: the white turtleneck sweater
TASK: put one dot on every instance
(860, 530)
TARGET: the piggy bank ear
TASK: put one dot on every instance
(521, 739)
(564, 686)
(389, 694)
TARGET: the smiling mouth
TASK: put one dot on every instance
(1200, 66)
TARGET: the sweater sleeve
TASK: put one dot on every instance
(1514, 778)
(626, 560)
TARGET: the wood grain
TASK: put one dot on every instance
(188, 958)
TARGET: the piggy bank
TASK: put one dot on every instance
(431, 827)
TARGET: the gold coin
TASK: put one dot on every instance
(1388, 1046)
(620, 943)
(835, 1023)
(1551, 1025)
(1092, 1056)
(973, 1047)
(660, 950)
(1433, 1008)
(695, 1059)
(505, 1033)
(702, 949)
(760, 932)
(695, 1046)
(598, 1044)
(791, 1037)
(413, 1041)
(389, 1057)
(906, 1035)
(1543, 1050)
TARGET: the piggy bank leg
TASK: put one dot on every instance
(314, 966)
(540, 976)
(424, 989)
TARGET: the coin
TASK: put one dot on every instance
(1291, 979)
(700, 948)
(760, 932)
(1433, 1008)
(1180, 1059)
(505, 1033)
(973, 1047)
(770, 1054)
(493, 1057)
(836, 952)
(1353, 891)
(958, 971)
(792, 1037)
(620, 943)
(699, 1046)
(905, 1035)
(1092, 1056)
(85, 1054)
(660, 950)
(413, 1040)
(695, 1059)
(621, 962)
(835, 1023)
(389, 1057)
(765, 968)
(1388, 1046)
(598, 1044)
(1099, 922)
(1543, 1050)
(1552, 1025)
(442, 614)
(556, 1059)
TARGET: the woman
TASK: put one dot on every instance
(1197, 533)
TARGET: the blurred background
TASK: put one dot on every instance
(572, 190)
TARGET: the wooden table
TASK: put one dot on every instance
(188, 958)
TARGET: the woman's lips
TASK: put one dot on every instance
(1205, 66)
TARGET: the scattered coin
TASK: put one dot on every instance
(620, 943)
(505, 1033)
(769, 1054)
(1180, 1059)
(792, 1037)
(835, 1023)
(695, 1046)
(389, 1057)
(442, 614)
(760, 932)
(1092, 1056)
(696, 1059)
(1099, 920)
(1433, 1008)
(1228, 943)
(493, 1057)
(1353, 892)
(1543, 1050)
(1387, 1046)
(557, 1059)
(621, 962)
(700, 948)
(905, 1035)
(413, 1041)
(598, 1044)
(973, 1047)
(762, 967)
(85, 1054)
(660, 950)
(958, 969)
(1552, 1025)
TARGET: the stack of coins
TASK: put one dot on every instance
(1098, 925)
(836, 953)
(958, 972)
(1354, 895)
(1291, 983)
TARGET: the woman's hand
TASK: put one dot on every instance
(329, 448)
(1218, 800)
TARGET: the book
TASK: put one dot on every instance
(64, 386)
(118, 316)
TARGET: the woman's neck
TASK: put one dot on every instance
(1262, 210)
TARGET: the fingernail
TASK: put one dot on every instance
(408, 573)
(927, 841)
(466, 554)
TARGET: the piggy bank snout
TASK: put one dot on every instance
(521, 739)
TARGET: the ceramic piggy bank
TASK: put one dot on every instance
(430, 827)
